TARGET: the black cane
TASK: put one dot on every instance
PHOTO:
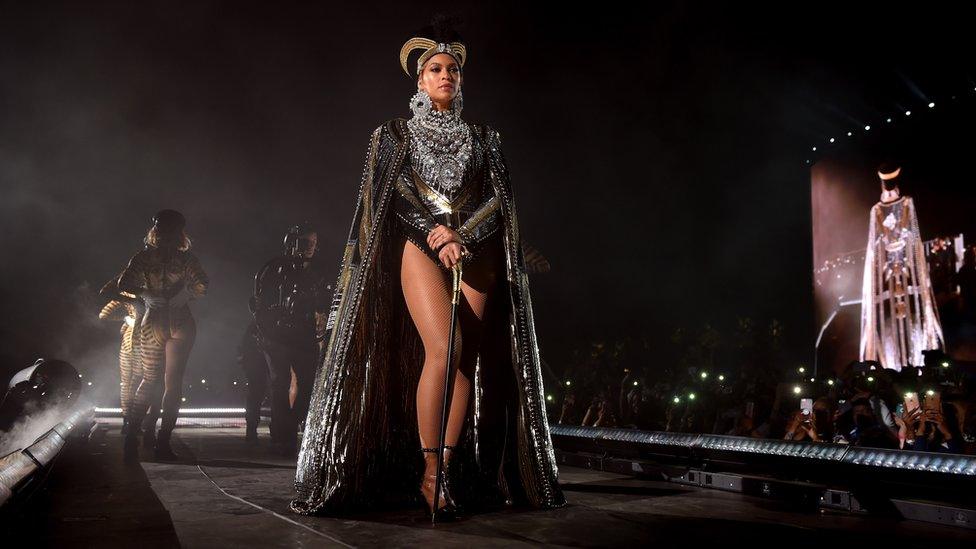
(455, 293)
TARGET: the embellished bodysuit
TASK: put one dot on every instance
(155, 269)
(168, 273)
(446, 189)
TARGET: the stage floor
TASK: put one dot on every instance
(227, 493)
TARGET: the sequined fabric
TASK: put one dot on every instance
(361, 446)
(899, 319)
(440, 147)
(471, 208)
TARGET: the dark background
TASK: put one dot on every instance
(658, 152)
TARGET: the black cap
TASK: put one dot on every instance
(169, 220)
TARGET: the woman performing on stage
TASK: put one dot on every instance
(435, 197)
(124, 307)
(166, 276)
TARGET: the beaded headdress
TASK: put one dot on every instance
(439, 37)
(431, 48)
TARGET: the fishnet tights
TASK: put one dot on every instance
(427, 292)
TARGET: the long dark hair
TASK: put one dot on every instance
(152, 239)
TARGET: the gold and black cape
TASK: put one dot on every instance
(361, 446)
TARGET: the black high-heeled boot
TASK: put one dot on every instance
(130, 439)
(162, 449)
(448, 483)
(445, 512)
(149, 438)
(130, 447)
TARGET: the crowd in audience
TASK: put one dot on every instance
(610, 383)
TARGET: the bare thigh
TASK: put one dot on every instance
(178, 350)
(427, 292)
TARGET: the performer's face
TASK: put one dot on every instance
(441, 79)
(309, 242)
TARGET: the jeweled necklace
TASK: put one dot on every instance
(440, 143)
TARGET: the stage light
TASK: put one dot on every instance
(677, 400)
(870, 379)
(568, 383)
(814, 149)
(235, 383)
(720, 378)
(930, 392)
(888, 121)
(797, 389)
(89, 383)
(704, 375)
(635, 384)
(944, 365)
(549, 397)
(909, 395)
(831, 139)
(198, 411)
(931, 105)
(908, 113)
(840, 456)
(183, 399)
(812, 379)
(867, 128)
(691, 396)
(801, 369)
(830, 382)
(79, 377)
(203, 381)
(918, 461)
(850, 134)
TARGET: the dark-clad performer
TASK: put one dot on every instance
(289, 305)
(255, 365)
(167, 276)
(435, 191)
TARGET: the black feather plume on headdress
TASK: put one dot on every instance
(443, 28)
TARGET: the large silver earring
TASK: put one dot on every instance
(457, 103)
(420, 103)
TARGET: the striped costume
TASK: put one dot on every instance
(164, 328)
(130, 360)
